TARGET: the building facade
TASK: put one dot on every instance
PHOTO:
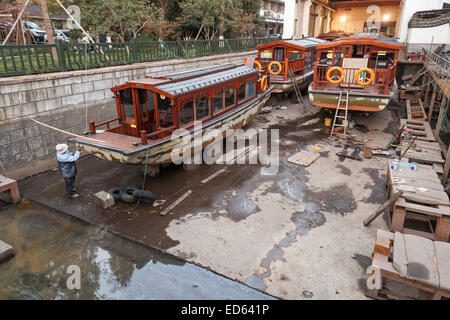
(305, 18)
(272, 12)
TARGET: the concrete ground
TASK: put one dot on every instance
(295, 235)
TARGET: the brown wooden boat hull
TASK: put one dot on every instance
(161, 152)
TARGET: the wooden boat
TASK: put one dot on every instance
(280, 56)
(365, 65)
(149, 110)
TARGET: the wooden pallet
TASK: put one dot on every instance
(423, 200)
(412, 261)
(419, 128)
(415, 111)
(10, 185)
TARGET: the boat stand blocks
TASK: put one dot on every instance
(104, 199)
(6, 251)
(10, 185)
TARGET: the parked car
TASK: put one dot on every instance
(37, 33)
(60, 35)
(275, 35)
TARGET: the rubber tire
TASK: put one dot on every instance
(126, 194)
(115, 193)
(145, 196)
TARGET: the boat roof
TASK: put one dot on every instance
(190, 80)
(299, 43)
(185, 86)
(364, 38)
(189, 73)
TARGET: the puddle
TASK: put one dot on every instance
(47, 243)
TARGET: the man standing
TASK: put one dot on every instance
(67, 167)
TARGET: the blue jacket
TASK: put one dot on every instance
(66, 163)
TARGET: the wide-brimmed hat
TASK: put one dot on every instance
(61, 148)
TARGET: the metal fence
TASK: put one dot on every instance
(44, 58)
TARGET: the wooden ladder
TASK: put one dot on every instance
(294, 84)
(337, 116)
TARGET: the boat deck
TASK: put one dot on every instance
(332, 88)
(112, 140)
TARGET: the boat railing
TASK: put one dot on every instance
(384, 78)
(297, 67)
(440, 65)
(158, 134)
(93, 126)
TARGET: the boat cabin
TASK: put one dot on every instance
(362, 62)
(280, 56)
(152, 108)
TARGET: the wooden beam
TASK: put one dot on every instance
(323, 4)
(427, 93)
(441, 115)
(446, 168)
(433, 99)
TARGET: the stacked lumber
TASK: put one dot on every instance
(410, 260)
(423, 202)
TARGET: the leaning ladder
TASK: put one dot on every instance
(294, 84)
(337, 116)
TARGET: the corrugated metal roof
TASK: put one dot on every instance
(378, 37)
(185, 86)
(306, 42)
(188, 73)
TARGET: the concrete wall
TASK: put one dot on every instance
(67, 101)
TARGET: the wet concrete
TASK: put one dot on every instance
(286, 234)
(48, 242)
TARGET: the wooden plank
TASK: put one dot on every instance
(439, 211)
(383, 243)
(421, 260)
(431, 107)
(443, 229)
(443, 262)
(423, 156)
(304, 158)
(446, 168)
(399, 255)
(214, 175)
(439, 168)
(441, 115)
(177, 202)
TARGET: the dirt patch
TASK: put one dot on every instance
(338, 199)
(378, 193)
(344, 170)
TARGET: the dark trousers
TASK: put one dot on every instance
(70, 182)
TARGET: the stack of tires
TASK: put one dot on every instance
(131, 194)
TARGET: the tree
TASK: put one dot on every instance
(213, 17)
(162, 28)
(123, 19)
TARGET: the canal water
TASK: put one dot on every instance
(48, 243)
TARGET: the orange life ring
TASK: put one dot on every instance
(258, 65)
(364, 83)
(279, 68)
(263, 83)
(336, 81)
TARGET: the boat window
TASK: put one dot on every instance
(151, 100)
(250, 89)
(187, 113)
(202, 108)
(241, 92)
(229, 97)
(218, 101)
(295, 56)
(381, 60)
(126, 100)
(337, 59)
(165, 113)
(279, 54)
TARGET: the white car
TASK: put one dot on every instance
(59, 35)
